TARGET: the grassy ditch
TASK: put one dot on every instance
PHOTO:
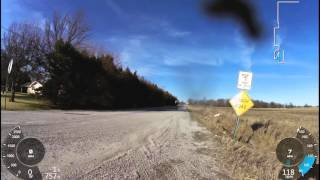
(252, 154)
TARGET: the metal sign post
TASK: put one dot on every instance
(236, 127)
(5, 94)
(241, 102)
(6, 88)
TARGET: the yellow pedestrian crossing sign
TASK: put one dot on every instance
(241, 103)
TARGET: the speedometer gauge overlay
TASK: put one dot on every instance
(20, 155)
(30, 151)
(290, 151)
(297, 154)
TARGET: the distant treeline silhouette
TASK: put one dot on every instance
(80, 80)
(257, 103)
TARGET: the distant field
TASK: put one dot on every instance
(252, 156)
(24, 101)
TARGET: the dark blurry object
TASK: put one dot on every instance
(257, 125)
(240, 9)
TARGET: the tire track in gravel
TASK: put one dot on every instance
(168, 153)
(119, 145)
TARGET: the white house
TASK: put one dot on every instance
(32, 87)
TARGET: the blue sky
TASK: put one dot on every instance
(173, 44)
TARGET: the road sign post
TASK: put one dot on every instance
(236, 127)
(241, 102)
(5, 93)
(6, 85)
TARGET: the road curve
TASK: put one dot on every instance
(118, 144)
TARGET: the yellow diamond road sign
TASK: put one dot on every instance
(241, 103)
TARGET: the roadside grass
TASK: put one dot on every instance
(252, 155)
(24, 101)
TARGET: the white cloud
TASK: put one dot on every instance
(172, 31)
(301, 64)
(187, 56)
(245, 51)
(16, 11)
(151, 56)
(116, 8)
(281, 76)
(179, 33)
(125, 57)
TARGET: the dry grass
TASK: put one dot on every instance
(25, 101)
(252, 154)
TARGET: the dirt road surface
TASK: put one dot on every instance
(118, 145)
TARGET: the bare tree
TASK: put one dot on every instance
(71, 29)
(28, 45)
(22, 43)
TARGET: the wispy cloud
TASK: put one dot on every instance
(116, 8)
(191, 56)
(176, 33)
(281, 76)
(173, 31)
(143, 53)
(302, 64)
(18, 12)
(137, 49)
(246, 51)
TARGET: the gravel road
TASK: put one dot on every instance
(118, 144)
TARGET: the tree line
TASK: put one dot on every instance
(75, 74)
(257, 103)
(80, 80)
